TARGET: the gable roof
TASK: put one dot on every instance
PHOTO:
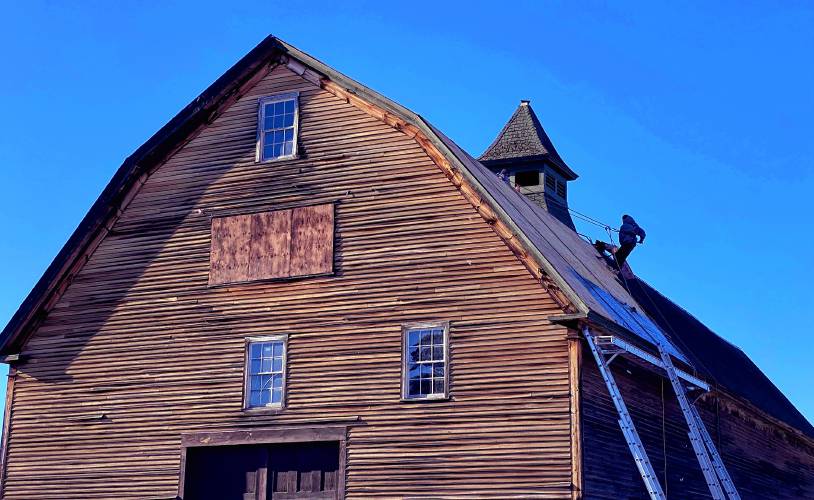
(524, 139)
(573, 264)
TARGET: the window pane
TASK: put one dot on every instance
(438, 352)
(426, 386)
(276, 395)
(288, 120)
(288, 149)
(268, 122)
(265, 397)
(414, 388)
(254, 383)
(278, 121)
(279, 108)
(277, 349)
(254, 350)
(266, 365)
(269, 111)
(289, 134)
(413, 337)
(438, 386)
(268, 152)
(277, 150)
(277, 381)
(254, 398)
(266, 349)
(438, 369)
(289, 106)
(277, 365)
(426, 370)
(438, 337)
(426, 354)
(254, 366)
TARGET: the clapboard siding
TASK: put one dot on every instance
(764, 459)
(140, 349)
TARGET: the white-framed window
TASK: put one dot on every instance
(265, 371)
(425, 362)
(277, 126)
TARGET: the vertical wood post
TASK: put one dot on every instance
(12, 375)
(575, 386)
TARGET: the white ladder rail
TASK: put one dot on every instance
(717, 462)
(712, 467)
(634, 443)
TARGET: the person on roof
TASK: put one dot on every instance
(627, 239)
(503, 175)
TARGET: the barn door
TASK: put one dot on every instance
(226, 473)
(304, 471)
(291, 471)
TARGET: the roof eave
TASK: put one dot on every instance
(560, 167)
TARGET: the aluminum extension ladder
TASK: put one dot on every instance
(718, 480)
(651, 481)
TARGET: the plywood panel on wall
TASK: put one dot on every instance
(312, 242)
(268, 245)
(231, 237)
(270, 254)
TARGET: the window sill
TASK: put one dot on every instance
(263, 410)
(427, 400)
(281, 158)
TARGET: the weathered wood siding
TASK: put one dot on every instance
(764, 460)
(140, 350)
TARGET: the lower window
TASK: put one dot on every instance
(265, 372)
(426, 361)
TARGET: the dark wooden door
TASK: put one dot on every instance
(292, 471)
(226, 473)
(303, 470)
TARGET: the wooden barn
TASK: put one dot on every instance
(299, 289)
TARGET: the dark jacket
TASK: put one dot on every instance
(629, 231)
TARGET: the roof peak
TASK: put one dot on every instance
(523, 138)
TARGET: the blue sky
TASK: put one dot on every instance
(695, 118)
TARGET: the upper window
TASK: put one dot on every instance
(527, 178)
(426, 367)
(277, 127)
(265, 372)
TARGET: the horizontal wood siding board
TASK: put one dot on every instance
(140, 350)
